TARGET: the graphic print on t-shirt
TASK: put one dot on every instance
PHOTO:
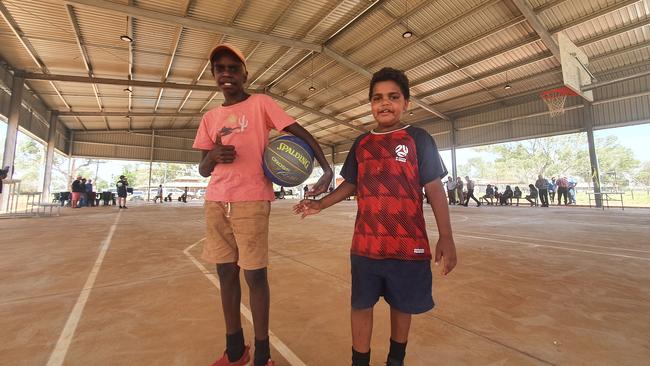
(234, 124)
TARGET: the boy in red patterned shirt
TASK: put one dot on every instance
(386, 169)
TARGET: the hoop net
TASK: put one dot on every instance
(556, 98)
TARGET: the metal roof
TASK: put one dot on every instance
(461, 54)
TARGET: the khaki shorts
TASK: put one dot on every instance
(237, 232)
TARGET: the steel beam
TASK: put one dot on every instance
(9, 156)
(191, 23)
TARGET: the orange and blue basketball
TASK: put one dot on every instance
(288, 161)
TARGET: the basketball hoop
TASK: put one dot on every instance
(556, 98)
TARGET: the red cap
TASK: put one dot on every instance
(232, 49)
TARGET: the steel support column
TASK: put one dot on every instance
(588, 125)
(12, 126)
(49, 156)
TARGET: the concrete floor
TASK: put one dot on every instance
(553, 286)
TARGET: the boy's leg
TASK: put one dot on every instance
(220, 247)
(400, 324)
(361, 320)
(230, 303)
(368, 285)
(260, 302)
(250, 224)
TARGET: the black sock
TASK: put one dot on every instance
(235, 345)
(397, 351)
(360, 359)
(262, 352)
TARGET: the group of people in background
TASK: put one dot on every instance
(82, 193)
(542, 191)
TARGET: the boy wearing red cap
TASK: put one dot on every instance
(232, 138)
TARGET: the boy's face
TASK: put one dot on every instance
(229, 73)
(387, 103)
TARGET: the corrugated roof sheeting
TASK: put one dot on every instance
(344, 11)
(360, 32)
(520, 129)
(176, 7)
(37, 17)
(258, 14)
(193, 157)
(214, 11)
(299, 17)
(569, 11)
(623, 112)
(109, 151)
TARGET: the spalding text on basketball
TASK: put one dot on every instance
(286, 148)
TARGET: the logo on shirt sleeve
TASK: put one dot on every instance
(401, 151)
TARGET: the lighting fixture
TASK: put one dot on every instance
(312, 88)
(411, 113)
(128, 90)
(125, 37)
(507, 86)
(408, 33)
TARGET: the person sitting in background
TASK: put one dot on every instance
(517, 194)
(497, 194)
(506, 196)
(168, 198)
(532, 197)
(489, 194)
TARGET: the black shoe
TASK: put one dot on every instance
(394, 362)
(124, 207)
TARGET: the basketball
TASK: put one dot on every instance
(288, 161)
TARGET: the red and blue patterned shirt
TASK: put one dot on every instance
(389, 171)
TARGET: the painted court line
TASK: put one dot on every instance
(567, 243)
(65, 339)
(553, 247)
(282, 348)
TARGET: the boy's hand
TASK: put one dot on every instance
(222, 154)
(446, 250)
(322, 185)
(307, 207)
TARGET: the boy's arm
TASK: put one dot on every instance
(445, 248)
(311, 207)
(326, 179)
(220, 154)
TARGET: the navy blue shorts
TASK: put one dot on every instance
(405, 285)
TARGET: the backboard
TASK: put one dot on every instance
(575, 65)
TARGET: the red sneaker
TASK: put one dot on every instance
(243, 361)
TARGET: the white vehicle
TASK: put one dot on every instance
(200, 193)
(137, 196)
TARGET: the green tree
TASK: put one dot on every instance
(617, 162)
(29, 163)
(565, 155)
(642, 176)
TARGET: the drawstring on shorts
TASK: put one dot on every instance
(227, 205)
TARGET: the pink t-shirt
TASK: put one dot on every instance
(245, 125)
